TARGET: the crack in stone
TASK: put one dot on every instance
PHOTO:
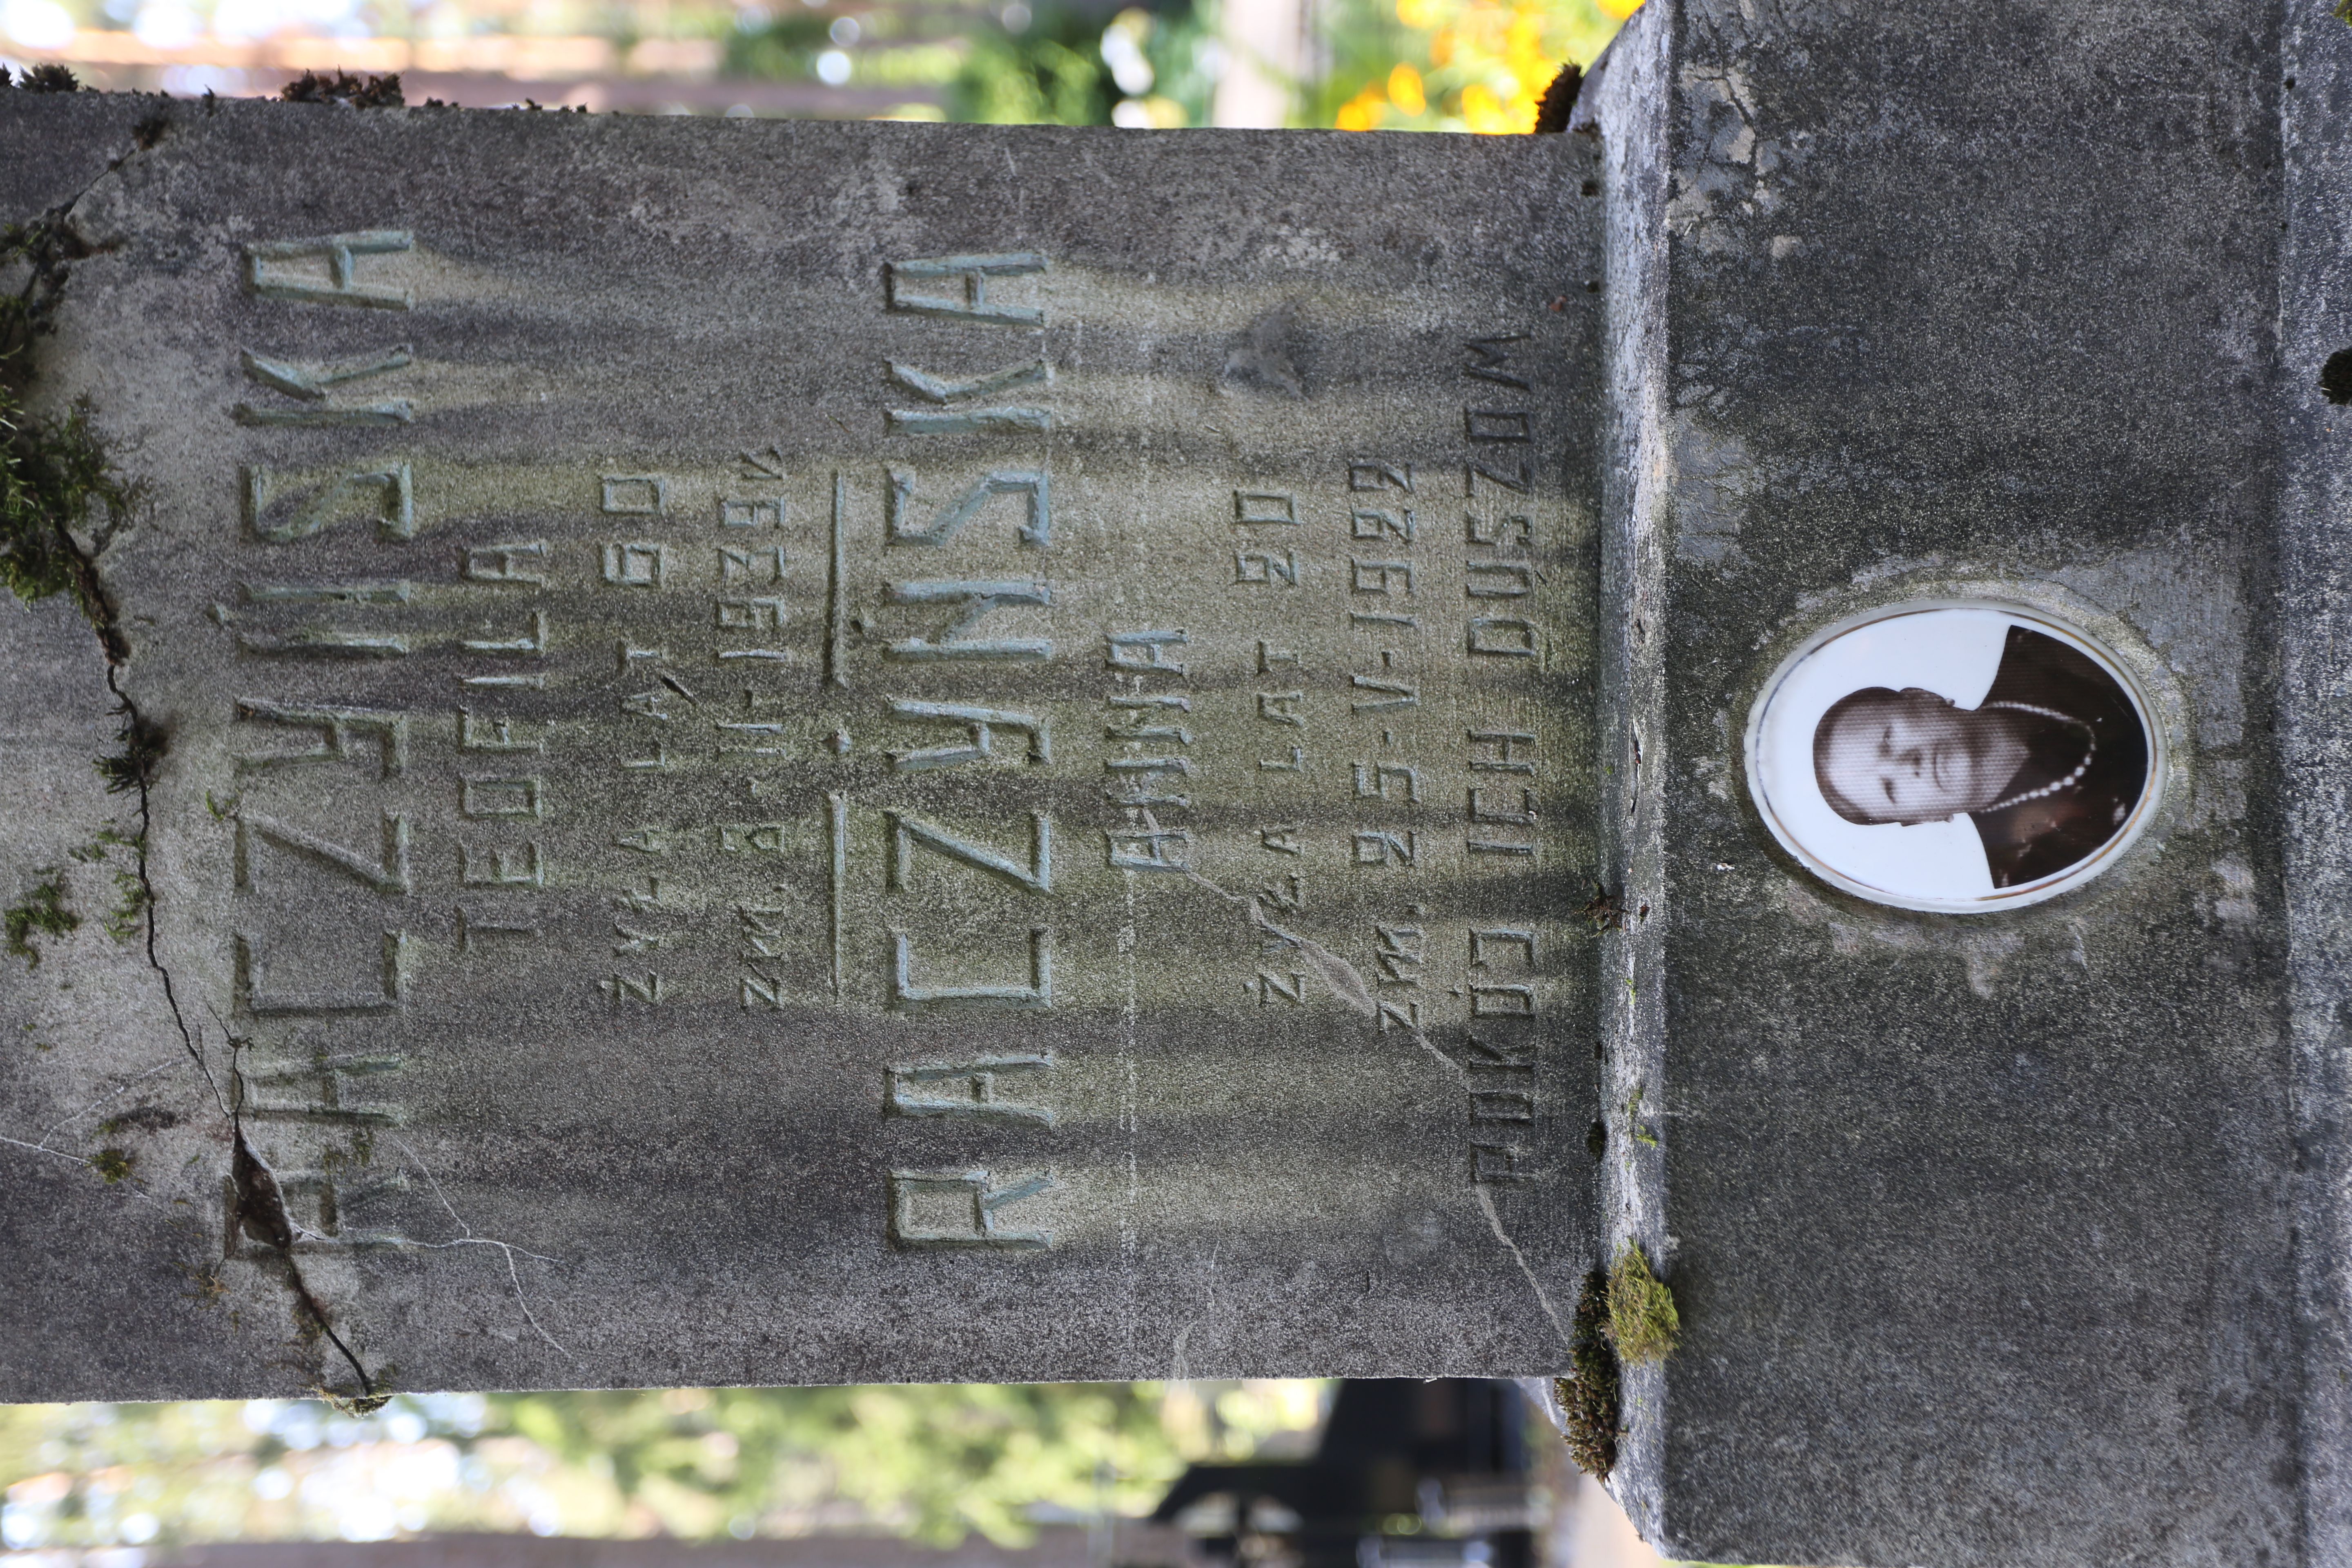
(469, 1240)
(145, 787)
(1543, 1296)
(261, 1206)
(261, 1213)
(1347, 983)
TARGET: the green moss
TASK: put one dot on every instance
(128, 917)
(112, 1163)
(342, 88)
(49, 474)
(42, 79)
(52, 472)
(126, 920)
(1642, 1135)
(41, 912)
(133, 768)
(1643, 1321)
(1590, 1399)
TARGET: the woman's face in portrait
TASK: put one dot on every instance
(1953, 755)
(1912, 756)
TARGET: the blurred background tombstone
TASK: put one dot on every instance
(1433, 1474)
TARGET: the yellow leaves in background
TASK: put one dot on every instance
(1405, 90)
(1470, 65)
(1486, 112)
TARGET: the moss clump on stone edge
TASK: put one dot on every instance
(1590, 1400)
(42, 79)
(1643, 1321)
(49, 474)
(51, 471)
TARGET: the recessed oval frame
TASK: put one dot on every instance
(1788, 799)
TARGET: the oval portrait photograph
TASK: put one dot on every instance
(1956, 757)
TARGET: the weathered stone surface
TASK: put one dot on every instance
(809, 752)
(2314, 727)
(1980, 1226)
(2009, 1237)
(61, 144)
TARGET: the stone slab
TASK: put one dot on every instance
(1981, 1228)
(2314, 727)
(833, 752)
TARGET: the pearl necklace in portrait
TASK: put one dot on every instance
(2089, 750)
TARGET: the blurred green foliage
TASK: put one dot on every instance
(781, 48)
(1405, 65)
(935, 1463)
(932, 1462)
(1049, 73)
(1062, 66)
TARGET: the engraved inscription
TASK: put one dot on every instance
(978, 724)
(960, 1208)
(794, 736)
(1030, 485)
(309, 382)
(326, 270)
(914, 287)
(281, 508)
(1037, 995)
(967, 1090)
(950, 641)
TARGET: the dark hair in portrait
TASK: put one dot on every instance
(2048, 766)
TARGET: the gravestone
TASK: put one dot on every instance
(680, 788)
(954, 751)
